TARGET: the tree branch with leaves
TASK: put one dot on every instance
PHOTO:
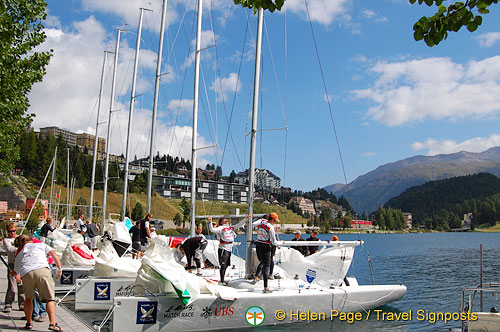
(435, 29)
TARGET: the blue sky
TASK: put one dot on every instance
(391, 97)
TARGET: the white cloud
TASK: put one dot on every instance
(369, 154)
(67, 96)
(181, 105)
(476, 144)
(207, 39)
(223, 87)
(488, 39)
(321, 11)
(435, 88)
(370, 14)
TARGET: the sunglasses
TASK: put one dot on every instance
(12, 231)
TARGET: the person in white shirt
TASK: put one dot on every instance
(10, 295)
(199, 232)
(266, 238)
(80, 225)
(226, 235)
(32, 265)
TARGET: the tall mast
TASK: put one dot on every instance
(111, 105)
(52, 183)
(195, 114)
(96, 141)
(155, 106)
(131, 113)
(68, 212)
(251, 171)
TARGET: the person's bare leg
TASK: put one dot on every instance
(28, 309)
(51, 311)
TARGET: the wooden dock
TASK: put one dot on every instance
(14, 321)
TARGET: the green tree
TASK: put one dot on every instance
(138, 212)
(34, 219)
(271, 5)
(177, 219)
(186, 211)
(452, 18)
(21, 31)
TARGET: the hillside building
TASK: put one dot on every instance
(304, 204)
(67, 136)
(264, 179)
(180, 187)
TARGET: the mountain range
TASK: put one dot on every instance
(375, 188)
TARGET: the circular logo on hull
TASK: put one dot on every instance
(255, 316)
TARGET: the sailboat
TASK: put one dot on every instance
(174, 300)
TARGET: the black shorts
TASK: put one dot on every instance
(136, 246)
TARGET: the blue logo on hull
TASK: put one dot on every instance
(102, 291)
(310, 275)
(146, 312)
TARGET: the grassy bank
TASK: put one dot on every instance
(165, 208)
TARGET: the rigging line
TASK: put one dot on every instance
(342, 106)
(275, 74)
(174, 135)
(286, 90)
(229, 133)
(328, 100)
(213, 138)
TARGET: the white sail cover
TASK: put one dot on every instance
(109, 264)
(326, 268)
(77, 254)
(160, 272)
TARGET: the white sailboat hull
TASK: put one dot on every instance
(96, 293)
(209, 312)
(69, 276)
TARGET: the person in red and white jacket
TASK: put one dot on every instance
(226, 235)
(266, 239)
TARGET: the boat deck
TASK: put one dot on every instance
(14, 321)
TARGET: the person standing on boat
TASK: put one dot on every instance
(145, 232)
(10, 295)
(193, 248)
(80, 225)
(46, 228)
(226, 235)
(135, 233)
(266, 239)
(313, 249)
(92, 233)
(298, 237)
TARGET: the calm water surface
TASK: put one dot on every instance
(435, 268)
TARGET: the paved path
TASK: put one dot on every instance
(14, 321)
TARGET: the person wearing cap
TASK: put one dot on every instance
(298, 237)
(335, 238)
(226, 235)
(313, 249)
(266, 238)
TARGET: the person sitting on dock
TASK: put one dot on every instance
(298, 237)
(226, 235)
(193, 248)
(266, 238)
(32, 265)
(46, 228)
(10, 295)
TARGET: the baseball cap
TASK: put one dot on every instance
(273, 215)
(297, 232)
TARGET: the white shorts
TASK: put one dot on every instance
(93, 242)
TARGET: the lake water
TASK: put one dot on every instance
(435, 267)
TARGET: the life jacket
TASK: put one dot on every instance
(227, 235)
(263, 232)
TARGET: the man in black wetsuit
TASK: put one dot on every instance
(313, 249)
(298, 237)
(193, 248)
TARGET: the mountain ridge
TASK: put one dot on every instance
(376, 187)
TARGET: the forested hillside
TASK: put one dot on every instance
(442, 204)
